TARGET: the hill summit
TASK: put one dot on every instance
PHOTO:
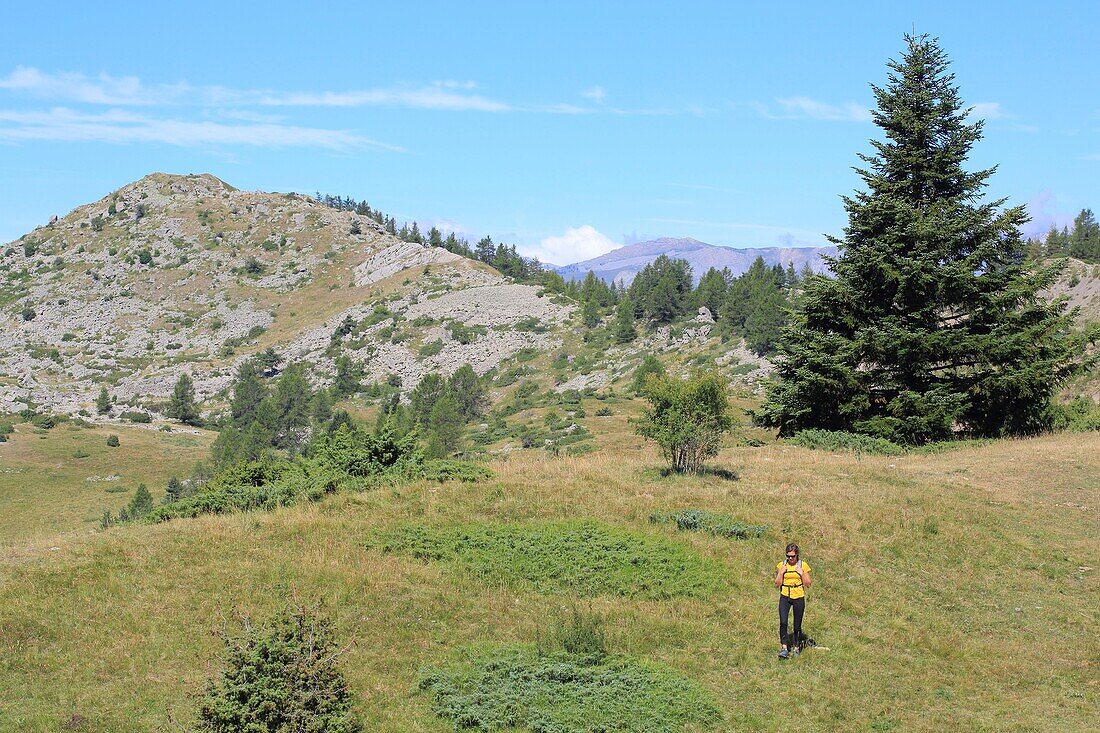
(177, 273)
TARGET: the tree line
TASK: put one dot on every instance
(1081, 241)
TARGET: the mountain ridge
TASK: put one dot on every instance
(623, 263)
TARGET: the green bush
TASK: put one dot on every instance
(44, 421)
(584, 558)
(516, 688)
(843, 441)
(701, 520)
(281, 675)
(112, 441)
(431, 348)
(686, 418)
(1081, 415)
(580, 634)
(136, 416)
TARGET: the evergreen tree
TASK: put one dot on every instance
(590, 314)
(414, 234)
(293, 400)
(1084, 243)
(348, 374)
(445, 427)
(141, 503)
(486, 250)
(431, 389)
(470, 394)
(650, 365)
(661, 291)
(934, 322)
(321, 407)
(249, 391)
(103, 401)
(173, 491)
(623, 327)
(182, 404)
(711, 291)
(435, 237)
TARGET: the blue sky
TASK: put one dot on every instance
(566, 128)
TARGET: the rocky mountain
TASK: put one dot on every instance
(624, 263)
(186, 273)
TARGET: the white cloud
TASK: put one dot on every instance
(120, 126)
(576, 245)
(128, 91)
(806, 108)
(596, 94)
(986, 111)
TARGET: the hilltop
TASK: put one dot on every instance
(174, 273)
(624, 263)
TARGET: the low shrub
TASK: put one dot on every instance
(280, 675)
(839, 440)
(516, 688)
(112, 441)
(136, 416)
(1080, 415)
(701, 520)
(585, 558)
(431, 348)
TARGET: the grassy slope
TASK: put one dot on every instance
(45, 493)
(948, 591)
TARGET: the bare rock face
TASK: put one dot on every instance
(398, 257)
(705, 316)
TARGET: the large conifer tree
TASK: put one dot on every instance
(933, 325)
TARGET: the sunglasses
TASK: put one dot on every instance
(791, 557)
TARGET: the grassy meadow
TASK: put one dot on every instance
(953, 591)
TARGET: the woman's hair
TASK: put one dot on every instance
(793, 548)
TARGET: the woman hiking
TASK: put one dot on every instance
(792, 578)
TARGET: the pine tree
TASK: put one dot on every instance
(141, 503)
(445, 427)
(173, 491)
(590, 314)
(470, 394)
(623, 327)
(321, 407)
(182, 404)
(348, 373)
(293, 399)
(248, 391)
(934, 322)
(103, 401)
(431, 389)
(711, 291)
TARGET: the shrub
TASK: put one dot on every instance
(281, 675)
(112, 441)
(585, 558)
(701, 520)
(145, 257)
(516, 688)
(28, 313)
(136, 416)
(44, 421)
(686, 418)
(604, 412)
(840, 440)
(650, 365)
(1078, 416)
(431, 348)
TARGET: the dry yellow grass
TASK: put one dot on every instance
(950, 591)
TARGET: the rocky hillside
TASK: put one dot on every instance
(624, 263)
(186, 273)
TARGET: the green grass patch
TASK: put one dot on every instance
(516, 688)
(701, 520)
(585, 558)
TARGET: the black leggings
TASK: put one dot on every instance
(785, 605)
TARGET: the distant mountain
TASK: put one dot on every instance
(626, 262)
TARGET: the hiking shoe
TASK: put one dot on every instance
(783, 653)
(795, 652)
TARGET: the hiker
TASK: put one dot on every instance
(792, 578)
